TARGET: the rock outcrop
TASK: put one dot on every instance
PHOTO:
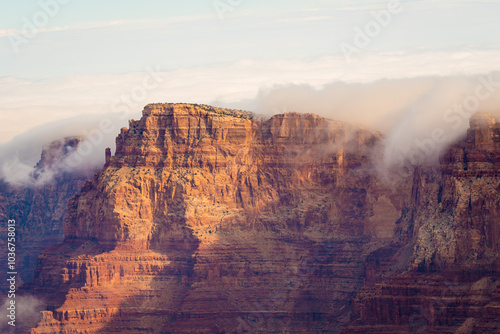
(208, 220)
(452, 231)
(39, 206)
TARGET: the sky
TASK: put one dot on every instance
(115, 37)
(69, 62)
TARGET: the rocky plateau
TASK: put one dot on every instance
(210, 220)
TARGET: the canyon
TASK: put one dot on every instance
(211, 220)
(451, 282)
(39, 205)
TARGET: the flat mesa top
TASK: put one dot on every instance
(170, 108)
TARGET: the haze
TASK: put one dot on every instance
(91, 60)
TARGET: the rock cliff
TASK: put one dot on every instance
(39, 208)
(451, 229)
(209, 220)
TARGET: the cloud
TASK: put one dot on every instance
(403, 94)
(25, 104)
(19, 156)
(419, 117)
(27, 313)
(111, 24)
(304, 19)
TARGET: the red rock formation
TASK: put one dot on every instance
(207, 220)
(451, 229)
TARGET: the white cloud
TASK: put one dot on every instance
(304, 19)
(58, 107)
(25, 104)
(19, 156)
(105, 24)
(411, 113)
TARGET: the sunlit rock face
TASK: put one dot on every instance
(209, 220)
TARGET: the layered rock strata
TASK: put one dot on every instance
(208, 220)
(452, 230)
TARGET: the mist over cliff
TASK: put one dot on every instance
(419, 117)
(18, 157)
(281, 224)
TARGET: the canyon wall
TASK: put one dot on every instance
(208, 220)
(451, 228)
(39, 206)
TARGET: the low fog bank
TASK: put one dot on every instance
(21, 313)
(19, 156)
(419, 117)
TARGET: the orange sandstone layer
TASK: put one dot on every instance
(207, 220)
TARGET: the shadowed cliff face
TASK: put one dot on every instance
(208, 220)
(451, 229)
(455, 218)
(39, 208)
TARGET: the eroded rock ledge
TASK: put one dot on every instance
(207, 220)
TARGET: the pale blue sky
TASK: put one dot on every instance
(121, 36)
